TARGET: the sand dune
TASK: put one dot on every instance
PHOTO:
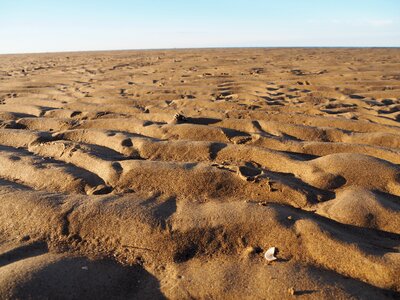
(168, 174)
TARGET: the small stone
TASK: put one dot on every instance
(178, 119)
(249, 251)
(291, 291)
(25, 238)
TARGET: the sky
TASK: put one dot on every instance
(75, 25)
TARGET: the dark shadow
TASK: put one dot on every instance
(370, 240)
(186, 253)
(304, 292)
(202, 241)
(352, 286)
(165, 210)
(387, 200)
(313, 194)
(215, 148)
(230, 133)
(300, 156)
(80, 278)
(14, 185)
(77, 172)
(355, 96)
(23, 252)
(202, 121)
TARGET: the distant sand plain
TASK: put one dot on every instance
(168, 174)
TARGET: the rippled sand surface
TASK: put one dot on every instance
(168, 174)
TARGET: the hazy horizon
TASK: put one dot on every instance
(29, 26)
(203, 48)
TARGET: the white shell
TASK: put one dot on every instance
(269, 254)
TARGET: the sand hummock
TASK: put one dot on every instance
(169, 174)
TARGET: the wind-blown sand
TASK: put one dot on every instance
(168, 174)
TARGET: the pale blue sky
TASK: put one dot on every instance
(71, 25)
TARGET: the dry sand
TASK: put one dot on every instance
(168, 174)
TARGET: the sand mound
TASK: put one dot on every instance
(168, 174)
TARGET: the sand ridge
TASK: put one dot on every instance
(168, 174)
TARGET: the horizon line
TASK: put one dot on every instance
(201, 48)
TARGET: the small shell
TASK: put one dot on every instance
(269, 254)
(178, 119)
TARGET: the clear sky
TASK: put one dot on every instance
(69, 25)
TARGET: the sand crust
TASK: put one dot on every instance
(168, 174)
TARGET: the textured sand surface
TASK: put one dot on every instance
(168, 174)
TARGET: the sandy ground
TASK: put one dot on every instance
(168, 174)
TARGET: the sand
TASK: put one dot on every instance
(169, 174)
